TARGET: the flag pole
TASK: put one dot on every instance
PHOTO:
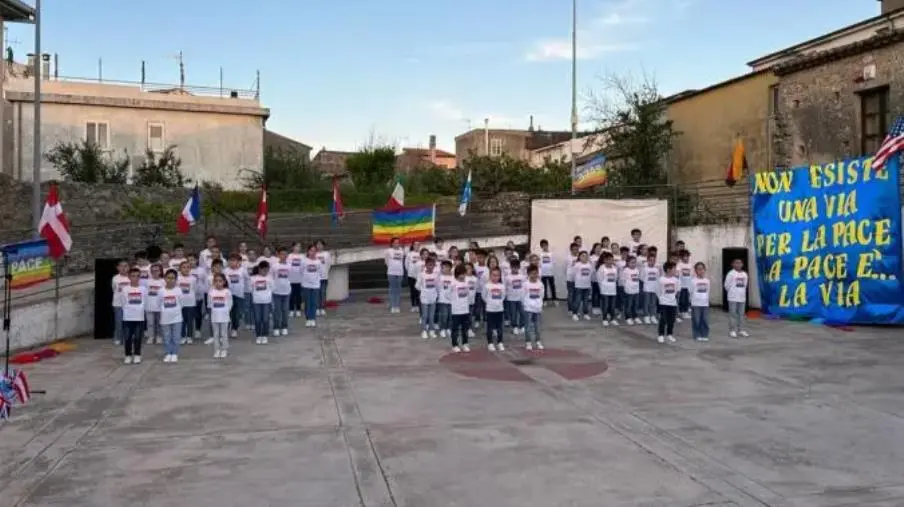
(434, 220)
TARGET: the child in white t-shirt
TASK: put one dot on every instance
(460, 309)
(282, 290)
(574, 250)
(237, 280)
(583, 281)
(199, 272)
(532, 301)
(685, 275)
(630, 277)
(134, 301)
(700, 303)
(667, 293)
(171, 316)
(650, 278)
(154, 285)
(119, 282)
(395, 271)
(219, 302)
(262, 300)
(189, 286)
(736, 282)
(428, 286)
(294, 259)
(494, 299)
(326, 262)
(443, 300)
(473, 291)
(547, 273)
(607, 281)
(514, 296)
(310, 286)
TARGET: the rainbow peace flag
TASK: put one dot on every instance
(408, 224)
(29, 263)
(591, 173)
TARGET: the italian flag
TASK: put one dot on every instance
(397, 199)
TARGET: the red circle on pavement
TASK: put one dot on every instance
(507, 366)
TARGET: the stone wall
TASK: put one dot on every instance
(819, 105)
(513, 206)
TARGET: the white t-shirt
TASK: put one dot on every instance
(668, 290)
(201, 287)
(395, 261)
(310, 273)
(171, 306)
(594, 259)
(428, 284)
(607, 279)
(473, 284)
(459, 296)
(326, 261)
(441, 252)
(736, 286)
(620, 264)
(482, 274)
(547, 264)
(261, 289)
(445, 296)
(295, 267)
(119, 282)
(281, 284)
(583, 275)
(188, 286)
(700, 291)
(533, 296)
(569, 267)
(514, 287)
(633, 245)
(651, 279)
(144, 274)
(133, 303)
(237, 279)
(494, 297)
(155, 287)
(175, 262)
(413, 263)
(631, 280)
(220, 302)
(685, 274)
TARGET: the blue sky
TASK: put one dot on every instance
(336, 73)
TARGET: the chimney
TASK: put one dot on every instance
(889, 6)
(432, 146)
(531, 128)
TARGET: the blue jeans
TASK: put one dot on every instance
(684, 301)
(516, 313)
(249, 310)
(477, 309)
(295, 298)
(395, 291)
(461, 324)
(311, 299)
(581, 301)
(117, 324)
(607, 306)
(595, 296)
(569, 297)
(188, 321)
(281, 311)
(443, 316)
(532, 326)
(428, 312)
(171, 338)
(237, 313)
(631, 302)
(322, 300)
(650, 304)
(262, 319)
(700, 321)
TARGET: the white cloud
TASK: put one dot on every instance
(618, 19)
(444, 110)
(553, 49)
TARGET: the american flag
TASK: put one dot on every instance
(21, 387)
(891, 146)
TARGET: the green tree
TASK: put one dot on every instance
(432, 180)
(283, 169)
(160, 171)
(372, 167)
(85, 162)
(640, 136)
(491, 175)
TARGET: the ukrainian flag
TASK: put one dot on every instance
(408, 224)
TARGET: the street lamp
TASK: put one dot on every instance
(574, 88)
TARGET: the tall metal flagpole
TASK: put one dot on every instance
(574, 88)
(36, 170)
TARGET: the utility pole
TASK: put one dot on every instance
(574, 89)
(36, 155)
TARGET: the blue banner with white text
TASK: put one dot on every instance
(827, 239)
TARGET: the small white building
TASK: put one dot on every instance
(561, 152)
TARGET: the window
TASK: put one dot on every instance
(156, 142)
(873, 119)
(98, 133)
(773, 100)
(496, 145)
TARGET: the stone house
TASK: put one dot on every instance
(215, 136)
(415, 158)
(274, 141)
(517, 144)
(331, 162)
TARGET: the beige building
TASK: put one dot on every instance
(517, 144)
(215, 136)
(561, 152)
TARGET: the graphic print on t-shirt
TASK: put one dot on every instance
(668, 288)
(260, 285)
(702, 287)
(429, 282)
(218, 302)
(463, 292)
(282, 273)
(169, 301)
(533, 293)
(134, 297)
(740, 282)
(185, 286)
(496, 293)
(234, 279)
(516, 284)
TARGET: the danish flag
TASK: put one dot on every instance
(54, 227)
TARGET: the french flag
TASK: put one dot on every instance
(191, 213)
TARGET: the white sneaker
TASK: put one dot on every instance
(654, 320)
(442, 333)
(637, 322)
(174, 358)
(660, 339)
(414, 309)
(586, 316)
(646, 320)
(500, 347)
(528, 346)
(127, 360)
(208, 341)
(189, 341)
(475, 324)
(702, 339)
(257, 340)
(745, 334)
(596, 311)
(733, 334)
(183, 341)
(466, 348)
(456, 350)
(614, 322)
(424, 335)
(432, 334)
(223, 354)
(323, 311)
(234, 334)
(136, 360)
(629, 321)
(166, 358)
(670, 338)
(678, 319)
(313, 323)
(150, 341)
(491, 347)
(264, 340)
(285, 332)
(471, 333)
(117, 342)
(249, 327)
(216, 354)
(605, 323)
(539, 345)
(575, 317)
(276, 333)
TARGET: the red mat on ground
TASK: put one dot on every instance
(375, 300)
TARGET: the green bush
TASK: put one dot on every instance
(287, 200)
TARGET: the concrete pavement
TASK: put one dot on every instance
(361, 412)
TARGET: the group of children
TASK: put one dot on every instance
(181, 297)
(454, 292)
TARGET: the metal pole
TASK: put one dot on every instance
(486, 136)
(36, 156)
(574, 88)
(221, 82)
(4, 65)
